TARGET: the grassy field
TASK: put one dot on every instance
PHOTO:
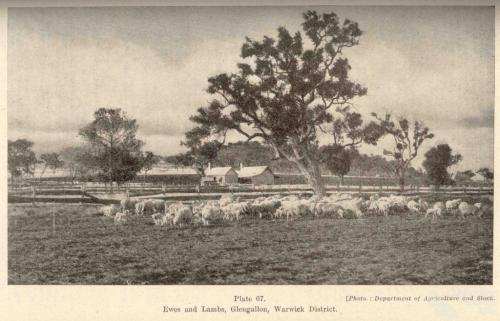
(88, 248)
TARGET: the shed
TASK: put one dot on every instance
(220, 176)
(257, 175)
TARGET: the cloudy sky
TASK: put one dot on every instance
(434, 64)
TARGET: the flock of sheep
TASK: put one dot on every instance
(229, 208)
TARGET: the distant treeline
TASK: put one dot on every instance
(256, 154)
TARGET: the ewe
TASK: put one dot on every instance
(128, 203)
(211, 213)
(465, 208)
(452, 205)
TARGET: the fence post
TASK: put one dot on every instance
(53, 221)
(33, 194)
(360, 188)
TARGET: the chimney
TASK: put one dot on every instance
(209, 165)
(241, 166)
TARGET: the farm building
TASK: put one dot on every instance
(220, 176)
(257, 175)
(170, 175)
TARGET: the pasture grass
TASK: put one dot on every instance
(88, 248)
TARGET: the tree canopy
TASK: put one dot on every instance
(407, 141)
(288, 90)
(51, 161)
(486, 173)
(436, 163)
(115, 150)
(21, 157)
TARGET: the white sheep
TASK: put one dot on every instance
(122, 216)
(210, 213)
(128, 203)
(294, 209)
(452, 205)
(183, 215)
(234, 211)
(139, 208)
(353, 205)
(465, 208)
(110, 210)
(437, 210)
(329, 209)
(413, 206)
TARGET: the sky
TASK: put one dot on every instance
(433, 64)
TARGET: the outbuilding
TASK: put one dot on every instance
(256, 175)
(220, 176)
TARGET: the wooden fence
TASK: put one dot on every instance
(97, 193)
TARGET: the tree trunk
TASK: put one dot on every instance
(342, 179)
(313, 176)
(308, 165)
(402, 180)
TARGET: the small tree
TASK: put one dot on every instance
(148, 160)
(289, 89)
(407, 141)
(337, 159)
(51, 161)
(436, 163)
(348, 132)
(486, 173)
(200, 153)
(21, 158)
(115, 148)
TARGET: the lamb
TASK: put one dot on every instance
(139, 208)
(436, 210)
(158, 218)
(122, 216)
(413, 206)
(110, 210)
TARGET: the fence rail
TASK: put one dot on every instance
(86, 193)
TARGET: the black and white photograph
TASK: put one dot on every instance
(250, 145)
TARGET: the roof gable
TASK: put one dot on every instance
(252, 171)
(218, 171)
